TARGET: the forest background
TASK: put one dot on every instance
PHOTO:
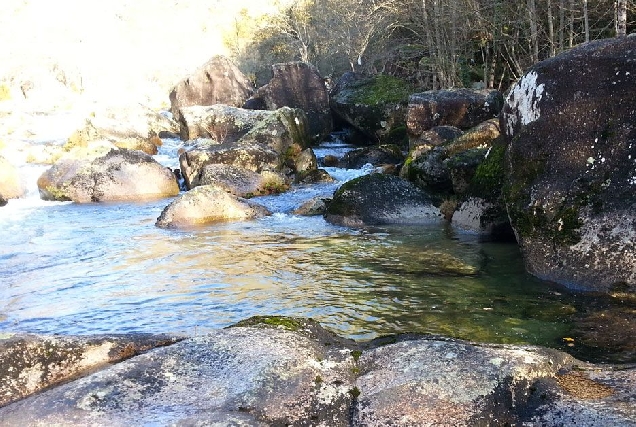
(138, 49)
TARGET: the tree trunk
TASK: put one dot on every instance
(561, 25)
(571, 32)
(551, 29)
(621, 18)
(586, 21)
(534, 36)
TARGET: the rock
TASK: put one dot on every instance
(218, 81)
(434, 382)
(238, 376)
(3, 201)
(571, 127)
(375, 155)
(298, 85)
(486, 219)
(254, 140)
(31, 363)
(10, 183)
(449, 168)
(435, 136)
(313, 176)
(330, 161)
(287, 371)
(119, 175)
(374, 106)
(312, 207)
(131, 127)
(207, 204)
(462, 108)
(380, 199)
(241, 182)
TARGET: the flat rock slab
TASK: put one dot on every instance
(31, 363)
(285, 371)
(237, 376)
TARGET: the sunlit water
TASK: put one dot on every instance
(96, 268)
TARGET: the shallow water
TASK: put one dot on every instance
(105, 268)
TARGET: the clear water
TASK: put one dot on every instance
(105, 268)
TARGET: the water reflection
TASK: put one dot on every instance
(81, 269)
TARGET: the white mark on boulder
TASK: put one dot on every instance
(523, 101)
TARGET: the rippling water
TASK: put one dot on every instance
(97, 268)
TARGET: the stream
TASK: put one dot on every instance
(71, 268)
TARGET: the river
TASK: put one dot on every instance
(105, 268)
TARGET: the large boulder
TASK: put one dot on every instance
(31, 363)
(241, 182)
(131, 127)
(298, 85)
(570, 192)
(207, 204)
(254, 140)
(218, 81)
(289, 371)
(462, 108)
(289, 374)
(119, 175)
(381, 199)
(375, 107)
(10, 183)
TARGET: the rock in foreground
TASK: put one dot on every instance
(288, 371)
(571, 187)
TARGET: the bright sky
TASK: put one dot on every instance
(116, 44)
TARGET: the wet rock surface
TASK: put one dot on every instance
(571, 129)
(381, 199)
(288, 371)
(207, 204)
(10, 185)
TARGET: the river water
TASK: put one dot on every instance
(105, 268)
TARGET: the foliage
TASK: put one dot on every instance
(383, 89)
(433, 43)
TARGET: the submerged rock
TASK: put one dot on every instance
(380, 199)
(31, 363)
(207, 204)
(571, 126)
(119, 175)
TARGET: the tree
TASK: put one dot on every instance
(621, 18)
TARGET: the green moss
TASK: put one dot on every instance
(354, 392)
(382, 89)
(489, 176)
(356, 354)
(318, 379)
(284, 322)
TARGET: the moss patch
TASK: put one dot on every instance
(489, 176)
(381, 90)
(284, 322)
